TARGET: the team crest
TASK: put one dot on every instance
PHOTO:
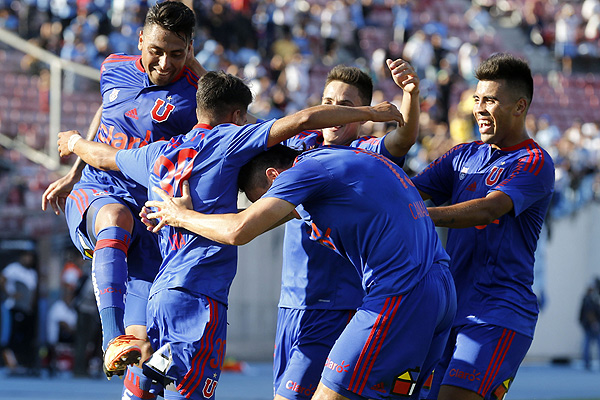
(463, 173)
(494, 176)
(160, 113)
(113, 95)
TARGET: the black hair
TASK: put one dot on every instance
(173, 16)
(252, 175)
(220, 93)
(514, 71)
(355, 77)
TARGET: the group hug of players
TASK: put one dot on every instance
(372, 305)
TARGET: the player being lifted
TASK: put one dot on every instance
(144, 98)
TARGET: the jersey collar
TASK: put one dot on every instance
(203, 126)
(518, 146)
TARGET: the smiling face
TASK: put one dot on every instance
(499, 113)
(163, 54)
(341, 94)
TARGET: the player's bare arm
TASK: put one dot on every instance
(324, 116)
(399, 142)
(56, 193)
(96, 154)
(233, 229)
(472, 213)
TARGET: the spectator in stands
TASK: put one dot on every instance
(589, 318)
(20, 282)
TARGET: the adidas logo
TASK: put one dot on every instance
(380, 387)
(132, 113)
(472, 187)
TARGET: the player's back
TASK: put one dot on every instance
(365, 207)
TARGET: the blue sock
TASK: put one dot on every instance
(109, 275)
(136, 385)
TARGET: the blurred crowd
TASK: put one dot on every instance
(284, 49)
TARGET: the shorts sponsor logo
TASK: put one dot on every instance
(468, 376)
(339, 368)
(501, 390)
(405, 383)
(295, 387)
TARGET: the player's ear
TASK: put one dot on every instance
(271, 173)
(521, 106)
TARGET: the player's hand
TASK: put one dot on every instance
(386, 111)
(150, 223)
(192, 63)
(404, 75)
(63, 142)
(57, 192)
(170, 209)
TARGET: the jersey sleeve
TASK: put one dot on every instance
(437, 179)
(531, 180)
(377, 145)
(138, 164)
(299, 183)
(247, 141)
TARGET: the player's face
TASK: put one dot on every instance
(341, 94)
(495, 111)
(163, 54)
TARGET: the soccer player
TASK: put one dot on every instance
(187, 308)
(499, 190)
(144, 98)
(362, 206)
(320, 291)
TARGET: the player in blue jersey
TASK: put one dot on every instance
(499, 190)
(144, 98)
(188, 299)
(365, 208)
(319, 291)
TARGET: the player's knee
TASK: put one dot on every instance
(114, 215)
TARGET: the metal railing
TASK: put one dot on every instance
(57, 65)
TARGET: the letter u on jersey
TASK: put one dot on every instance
(156, 110)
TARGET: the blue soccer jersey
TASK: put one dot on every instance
(493, 265)
(313, 277)
(348, 215)
(210, 159)
(136, 112)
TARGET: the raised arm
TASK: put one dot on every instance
(324, 116)
(98, 155)
(56, 193)
(476, 212)
(399, 142)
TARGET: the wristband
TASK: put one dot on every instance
(71, 143)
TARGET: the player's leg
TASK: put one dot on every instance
(485, 361)
(303, 341)
(384, 350)
(113, 226)
(100, 226)
(189, 332)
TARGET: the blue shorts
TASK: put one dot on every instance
(195, 327)
(392, 344)
(143, 256)
(302, 342)
(482, 358)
